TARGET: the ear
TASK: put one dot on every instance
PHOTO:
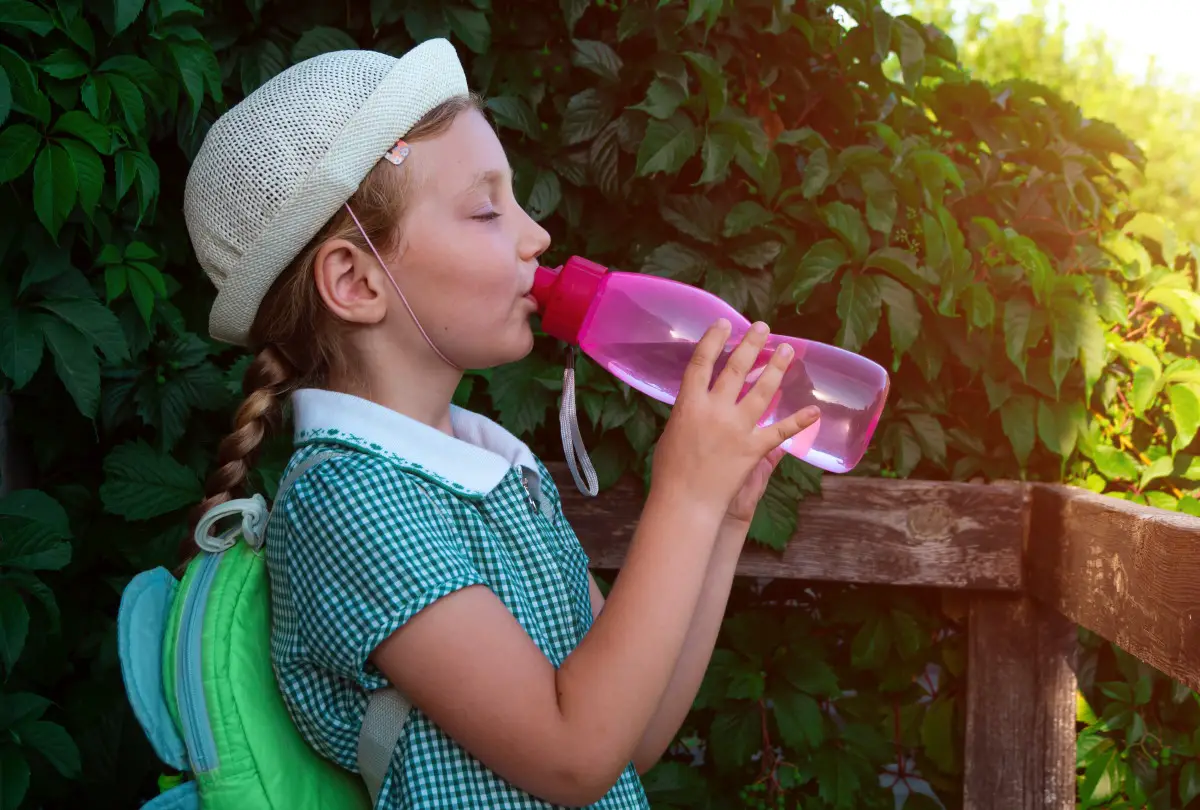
(349, 282)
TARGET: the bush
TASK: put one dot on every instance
(817, 169)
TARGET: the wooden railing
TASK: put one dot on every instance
(1035, 560)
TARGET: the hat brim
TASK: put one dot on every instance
(425, 77)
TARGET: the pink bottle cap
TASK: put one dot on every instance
(565, 294)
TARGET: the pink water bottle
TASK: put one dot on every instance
(643, 329)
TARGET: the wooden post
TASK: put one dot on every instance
(1020, 742)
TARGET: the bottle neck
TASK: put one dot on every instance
(565, 295)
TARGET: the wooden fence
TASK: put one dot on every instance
(1035, 560)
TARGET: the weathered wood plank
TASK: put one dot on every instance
(1019, 752)
(935, 534)
(1128, 572)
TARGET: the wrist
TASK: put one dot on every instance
(733, 529)
(699, 513)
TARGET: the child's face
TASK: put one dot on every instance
(468, 250)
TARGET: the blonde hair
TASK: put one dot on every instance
(298, 338)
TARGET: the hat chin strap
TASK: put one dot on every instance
(403, 300)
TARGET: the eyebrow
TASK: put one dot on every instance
(488, 177)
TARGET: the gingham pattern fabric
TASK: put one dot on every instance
(367, 539)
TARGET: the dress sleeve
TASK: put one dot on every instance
(367, 548)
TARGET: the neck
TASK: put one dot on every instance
(417, 384)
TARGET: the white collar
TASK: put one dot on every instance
(473, 462)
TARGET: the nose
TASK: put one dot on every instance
(534, 240)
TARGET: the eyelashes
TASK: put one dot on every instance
(488, 217)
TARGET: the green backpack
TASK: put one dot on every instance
(195, 660)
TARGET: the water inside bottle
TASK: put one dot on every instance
(843, 389)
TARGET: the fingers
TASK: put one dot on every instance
(779, 432)
(761, 395)
(733, 378)
(698, 375)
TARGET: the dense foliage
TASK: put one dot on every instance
(975, 238)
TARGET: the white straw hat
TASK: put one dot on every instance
(274, 169)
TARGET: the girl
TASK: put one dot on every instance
(432, 554)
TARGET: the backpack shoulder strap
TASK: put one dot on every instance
(387, 710)
(383, 724)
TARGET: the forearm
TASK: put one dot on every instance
(613, 683)
(697, 649)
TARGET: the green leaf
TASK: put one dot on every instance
(28, 583)
(5, 96)
(133, 105)
(126, 12)
(1114, 464)
(667, 146)
(745, 217)
(1017, 315)
(14, 777)
(903, 265)
(142, 483)
(1139, 354)
(1146, 386)
(663, 98)
(800, 721)
(937, 734)
(97, 323)
(819, 265)
(981, 306)
(904, 316)
(322, 39)
(573, 11)
(1189, 782)
(692, 214)
(27, 96)
(514, 113)
(14, 627)
(75, 362)
(86, 128)
(716, 153)
(1102, 779)
(712, 80)
(519, 394)
(1185, 414)
(930, 436)
(64, 63)
(598, 57)
(774, 522)
(471, 26)
(1059, 424)
(545, 196)
(18, 144)
(89, 172)
(871, 643)
(936, 250)
(20, 345)
(911, 47)
(881, 201)
(1160, 468)
(54, 184)
(816, 174)
(52, 741)
(847, 222)
(1017, 417)
(757, 256)
(585, 116)
(736, 735)
(21, 14)
(673, 260)
(859, 308)
(197, 66)
(21, 707)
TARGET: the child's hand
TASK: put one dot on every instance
(745, 502)
(712, 442)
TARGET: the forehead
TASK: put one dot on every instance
(453, 159)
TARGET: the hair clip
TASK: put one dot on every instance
(398, 153)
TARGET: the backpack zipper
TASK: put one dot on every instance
(189, 677)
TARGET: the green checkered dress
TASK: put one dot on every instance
(367, 539)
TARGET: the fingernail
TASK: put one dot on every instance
(759, 328)
(785, 351)
(722, 324)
